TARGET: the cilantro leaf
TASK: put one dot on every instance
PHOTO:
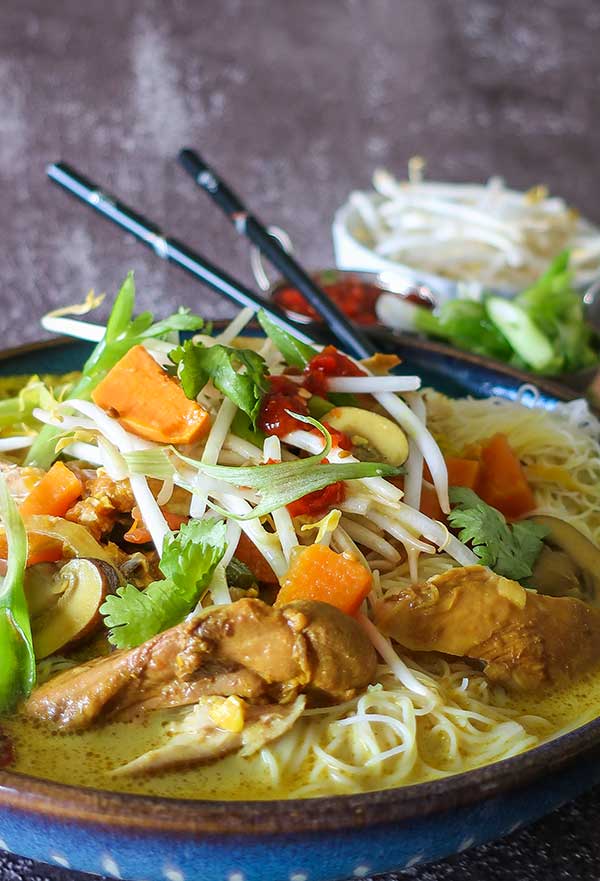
(196, 364)
(510, 550)
(188, 562)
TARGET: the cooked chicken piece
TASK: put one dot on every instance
(248, 648)
(526, 640)
(103, 501)
(197, 739)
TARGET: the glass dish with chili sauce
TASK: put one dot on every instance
(355, 293)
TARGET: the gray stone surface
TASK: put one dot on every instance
(296, 101)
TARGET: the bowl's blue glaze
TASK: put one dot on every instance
(137, 837)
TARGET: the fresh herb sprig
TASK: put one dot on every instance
(239, 374)
(510, 550)
(188, 561)
(542, 329)
(294, 351)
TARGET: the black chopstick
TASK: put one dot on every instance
(168, 248)
(352, 339)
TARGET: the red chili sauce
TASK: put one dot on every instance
(285, 394)
(355, 298)
(319, 502)
(327, 363)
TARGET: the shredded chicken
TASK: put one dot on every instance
(197, 739)
(102, 502)
(526, 640)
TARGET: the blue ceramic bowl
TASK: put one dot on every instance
(138, 837)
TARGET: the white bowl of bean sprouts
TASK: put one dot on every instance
(456, 237)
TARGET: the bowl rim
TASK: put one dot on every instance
(159, 815)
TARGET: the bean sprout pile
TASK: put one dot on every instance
(485, 235)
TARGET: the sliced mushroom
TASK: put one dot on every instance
(569, 564)
(42, 587)
(374, 431)
(65, 608)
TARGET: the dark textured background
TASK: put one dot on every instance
(297, 101)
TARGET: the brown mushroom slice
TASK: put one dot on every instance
(569, 564)
(42, 588)
(72, 612)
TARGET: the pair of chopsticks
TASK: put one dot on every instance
(351, 338)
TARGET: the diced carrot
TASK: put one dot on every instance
(58, 489)
(502, 482)
(41, 549)
(150, 403)
(318, 573)
(462, 472)
(248, 553)
(139, 535)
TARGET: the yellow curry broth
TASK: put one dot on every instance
(87, 758)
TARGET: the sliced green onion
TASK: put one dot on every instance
(17, 659)
(525, 337)
(278, 484)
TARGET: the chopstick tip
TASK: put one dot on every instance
(191, 162)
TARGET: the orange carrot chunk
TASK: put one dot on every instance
(502, 482)
(317, 573)
(58, 489)
(40, 549)
(139, 535)
(462, 472)
(150, 403)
